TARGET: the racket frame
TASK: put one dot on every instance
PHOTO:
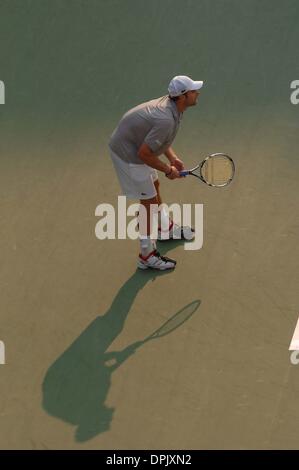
(200, 166)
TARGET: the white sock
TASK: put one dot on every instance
(147, 245)
(164, 220)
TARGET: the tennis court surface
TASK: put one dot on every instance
(82, 370)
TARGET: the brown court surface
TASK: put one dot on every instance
(72, 307)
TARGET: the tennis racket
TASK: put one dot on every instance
(216, 170)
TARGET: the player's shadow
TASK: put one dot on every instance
(76, 385)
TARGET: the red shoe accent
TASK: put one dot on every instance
(145, 258)
(169, 228)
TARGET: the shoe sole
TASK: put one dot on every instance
(144, 266)
(180, 239)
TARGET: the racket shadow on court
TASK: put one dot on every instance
(76, 385)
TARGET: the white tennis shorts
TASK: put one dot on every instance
(136, 181)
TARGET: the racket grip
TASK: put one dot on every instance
(184, 173)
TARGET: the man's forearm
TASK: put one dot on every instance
(170, 154)
(150, 159)
(154, 162)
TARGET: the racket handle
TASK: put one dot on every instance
(184, 173)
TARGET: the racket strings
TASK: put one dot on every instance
(217, 171)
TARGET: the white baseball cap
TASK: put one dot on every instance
(181, 83)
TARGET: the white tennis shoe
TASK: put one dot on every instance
(176, 232)
(155, 261)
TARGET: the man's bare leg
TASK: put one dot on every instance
(157, 186)
(148, 244)
(149, 257)
(163, 216)
(147, 203)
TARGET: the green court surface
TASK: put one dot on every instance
(74, 312)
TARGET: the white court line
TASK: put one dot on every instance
(2, 353)
(294, 346)
(2, 92)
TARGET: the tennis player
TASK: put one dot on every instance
(143, 134)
